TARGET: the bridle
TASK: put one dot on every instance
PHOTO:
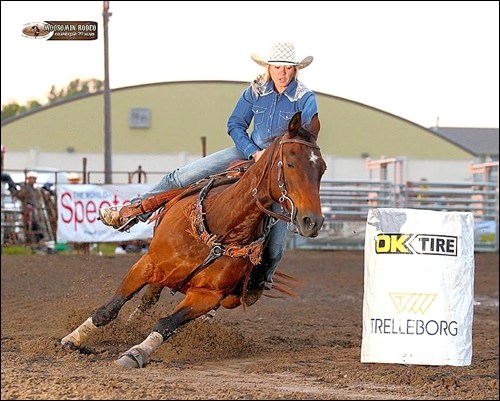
(285, 215)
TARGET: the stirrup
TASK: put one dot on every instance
(111, 221)
(128, 224)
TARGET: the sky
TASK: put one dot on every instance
(433, 63)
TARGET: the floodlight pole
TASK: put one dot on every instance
(107, 99)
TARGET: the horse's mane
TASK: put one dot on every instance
(303, 133)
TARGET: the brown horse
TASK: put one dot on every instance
(219, 236)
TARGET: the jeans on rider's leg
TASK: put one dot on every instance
(273, 251)
(193, 172)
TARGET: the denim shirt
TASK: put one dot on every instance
(271, 112)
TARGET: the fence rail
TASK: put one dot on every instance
(345, 205)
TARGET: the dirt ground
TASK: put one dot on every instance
(307, 347)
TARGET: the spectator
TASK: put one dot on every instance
(422, 195)
(29, 196)
(6, 178)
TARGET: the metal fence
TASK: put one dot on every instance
(345, 205)
(27, 224)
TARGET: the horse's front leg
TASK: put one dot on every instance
(197, 302)
(133, 282)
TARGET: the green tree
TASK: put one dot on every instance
(33, 104)
(76, 87)
(12, 109)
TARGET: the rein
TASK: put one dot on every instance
(288, 217)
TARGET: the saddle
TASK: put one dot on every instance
(167, 199)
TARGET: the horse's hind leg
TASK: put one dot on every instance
(196, 303)
(152, 296)
(132, 283)
(254, 290)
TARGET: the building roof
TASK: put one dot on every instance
(349, 129)
(481, 142)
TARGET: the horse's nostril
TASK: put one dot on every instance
(308, 223)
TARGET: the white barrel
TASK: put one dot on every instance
(418, 287)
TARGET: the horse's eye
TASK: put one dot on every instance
(290, 165)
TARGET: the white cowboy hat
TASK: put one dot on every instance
(73, 177)
(31, 174)
(282, 53)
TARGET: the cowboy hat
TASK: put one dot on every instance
(73, 177)
(282, 53)
(31, 174)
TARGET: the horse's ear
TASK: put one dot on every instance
(314, 126)
(295, 123)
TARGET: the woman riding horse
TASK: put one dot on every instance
(270, 101)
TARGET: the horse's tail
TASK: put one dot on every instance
(285, 284)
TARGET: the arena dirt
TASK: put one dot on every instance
(306, 347)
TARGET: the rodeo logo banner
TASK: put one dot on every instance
(61, 30)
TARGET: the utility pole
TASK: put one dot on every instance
(107, 99)
(203, 146)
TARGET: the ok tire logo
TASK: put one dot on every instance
(416, 244)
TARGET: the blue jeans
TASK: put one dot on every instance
(195, 171)
(214, 164)
(274, 249)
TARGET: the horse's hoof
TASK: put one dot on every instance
(68, 345)
(126, 362)
(133, 358)
(253, 296)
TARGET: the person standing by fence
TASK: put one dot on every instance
(29, 196)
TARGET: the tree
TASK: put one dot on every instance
(75, 88)
(12, 109)
(33, 104)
